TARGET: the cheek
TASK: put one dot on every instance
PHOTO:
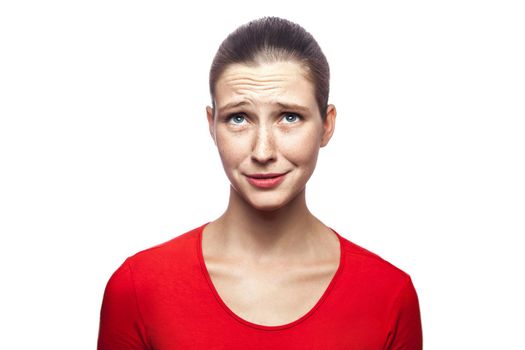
(232, 148)
(301, 148)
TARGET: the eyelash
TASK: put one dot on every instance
(231, 116)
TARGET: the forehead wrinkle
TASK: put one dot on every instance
(266, 85)
(258, 77)
(264, 95)
(245, 85)
(249, 88)
(255, 78)
(255, 82)
(276, 72)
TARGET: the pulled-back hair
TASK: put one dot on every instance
(274, 39)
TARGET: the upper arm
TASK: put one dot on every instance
(405, 330)
(121, 325)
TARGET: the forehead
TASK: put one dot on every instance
(265, 83)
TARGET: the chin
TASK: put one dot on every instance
(264, 201)
(269, 201)
(268, 207)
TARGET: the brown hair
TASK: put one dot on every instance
(272, 39)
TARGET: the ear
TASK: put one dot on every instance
(328, 124)
(209, 116)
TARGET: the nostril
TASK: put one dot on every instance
(263, 148)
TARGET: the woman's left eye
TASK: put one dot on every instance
(291, 117)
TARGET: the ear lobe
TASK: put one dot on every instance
(328, 124)
(209, 116)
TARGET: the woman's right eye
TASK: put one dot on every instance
(236, 119)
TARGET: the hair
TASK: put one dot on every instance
(274, 39)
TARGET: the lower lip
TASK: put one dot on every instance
(266, 183)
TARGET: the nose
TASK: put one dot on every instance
(263, 150)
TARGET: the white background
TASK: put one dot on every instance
(104, 151)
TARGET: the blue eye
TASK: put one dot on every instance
(291, 117)
(236, 118)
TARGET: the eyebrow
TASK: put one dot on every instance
(232, 105)
(292, 106)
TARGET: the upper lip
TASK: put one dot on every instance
(264, 175)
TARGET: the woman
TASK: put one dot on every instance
(267, 274)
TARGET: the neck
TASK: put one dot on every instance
(268, 236)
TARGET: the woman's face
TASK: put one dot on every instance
(267, 122)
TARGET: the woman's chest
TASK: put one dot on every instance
(227, 310)
(271, 296)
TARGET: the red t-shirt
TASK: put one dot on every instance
(162, 298)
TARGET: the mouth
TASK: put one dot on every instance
(268, 180)
(265, 176)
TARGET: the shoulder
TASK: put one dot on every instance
(370, 267)
(166, 257)
(373, 259)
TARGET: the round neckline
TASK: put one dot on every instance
(226, 308)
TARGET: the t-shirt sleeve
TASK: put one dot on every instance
(121, 326)
(405, 330)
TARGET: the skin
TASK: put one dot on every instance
(264, 231)
(268, 224)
